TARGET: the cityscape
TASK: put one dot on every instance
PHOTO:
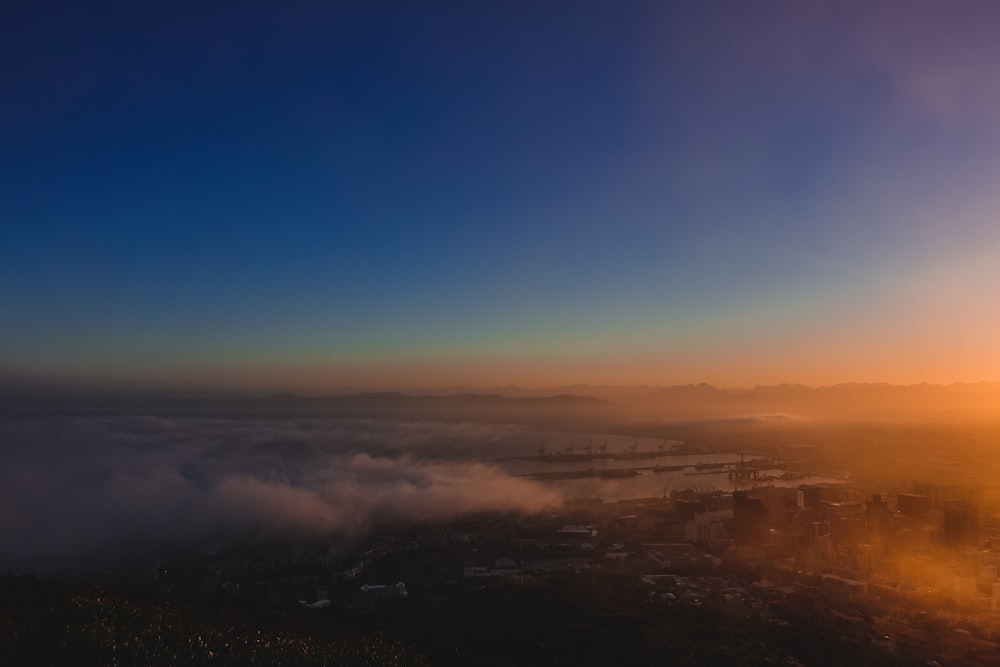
(747, 541)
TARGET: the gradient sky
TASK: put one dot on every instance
(383, 195)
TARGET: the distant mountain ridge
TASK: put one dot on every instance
(675, 402)
(629, 393)
(695, 400)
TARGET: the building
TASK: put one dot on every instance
(750, 520)
(913, 504)
(807, 496)
(961, 524)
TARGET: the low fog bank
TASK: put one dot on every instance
(562, 410)
(89, 492)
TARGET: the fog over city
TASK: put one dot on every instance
(85, 492)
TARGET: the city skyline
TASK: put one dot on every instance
(397, 197)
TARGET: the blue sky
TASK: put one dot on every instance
(325, 195)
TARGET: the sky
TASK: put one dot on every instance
(311, 196)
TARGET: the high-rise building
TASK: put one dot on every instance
(750, 519)
(913, 504)
(961, 523)
(807, 496)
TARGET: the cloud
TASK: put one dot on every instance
(940, 59)
(79, 493)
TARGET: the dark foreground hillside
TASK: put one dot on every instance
(576, 621)
(46, 623)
